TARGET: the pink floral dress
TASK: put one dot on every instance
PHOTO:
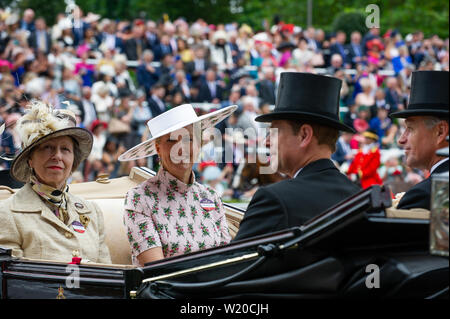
(180, 218)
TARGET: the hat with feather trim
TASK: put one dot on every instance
(42, 123)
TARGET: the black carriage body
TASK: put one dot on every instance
(326, 258)
(20, 278)
(50, 280)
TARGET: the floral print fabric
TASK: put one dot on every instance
(180, 218)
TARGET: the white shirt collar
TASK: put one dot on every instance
(437, 164)
(298, 172)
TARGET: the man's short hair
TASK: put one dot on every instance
(157, 86)
(325, 135)
(432, 121)
(148, 52)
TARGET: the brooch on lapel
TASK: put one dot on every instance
(84, 220)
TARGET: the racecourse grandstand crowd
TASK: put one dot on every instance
(116, 75)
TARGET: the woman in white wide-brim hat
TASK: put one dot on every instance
(43, 220)
(172, 214)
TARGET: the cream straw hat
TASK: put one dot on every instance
(170, 121)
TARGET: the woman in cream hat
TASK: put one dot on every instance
(43, 220)
(220, 51)
(172, 214)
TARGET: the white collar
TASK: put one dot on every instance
(437, 164)
(298, 172)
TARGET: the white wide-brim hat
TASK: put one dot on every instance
(171, 121)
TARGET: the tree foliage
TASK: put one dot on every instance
(407, 16)
(349, 22)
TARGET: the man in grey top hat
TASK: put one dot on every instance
(306, 116)
(426, 130)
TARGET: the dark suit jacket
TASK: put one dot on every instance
(393, 99)
(339, 49)
(178, 88)
(7, 180)
(145, 78)
(267, 91)
(419, 196)
(118, 41)
(353, 54)
(190, 69)
(154, 107)
(33, 41)
(152, 40)
(160, 50)
(130, 48)
(292, 202)
(340, 153)
(78, 33)
(206, 95)
(31, 27)
(314, 42)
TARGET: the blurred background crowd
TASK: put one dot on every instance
(116, 75)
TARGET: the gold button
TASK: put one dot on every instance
(68, 235)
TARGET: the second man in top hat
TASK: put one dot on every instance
(426, 130)
(307, 121)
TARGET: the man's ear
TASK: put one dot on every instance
(305, 135)
(442, 131)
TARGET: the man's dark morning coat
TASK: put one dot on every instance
(289, 203)
(419, 196)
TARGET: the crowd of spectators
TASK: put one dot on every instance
(116, 75)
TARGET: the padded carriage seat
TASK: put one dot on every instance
(414, 213)
(110, 198)
(116, 232)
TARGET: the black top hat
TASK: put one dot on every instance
(429, 95)
(286, 45)
(308, 97)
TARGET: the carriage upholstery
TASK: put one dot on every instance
(110, 198)
(116, 233)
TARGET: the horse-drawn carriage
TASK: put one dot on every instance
(359, 248)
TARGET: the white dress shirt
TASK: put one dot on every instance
(437, 164)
